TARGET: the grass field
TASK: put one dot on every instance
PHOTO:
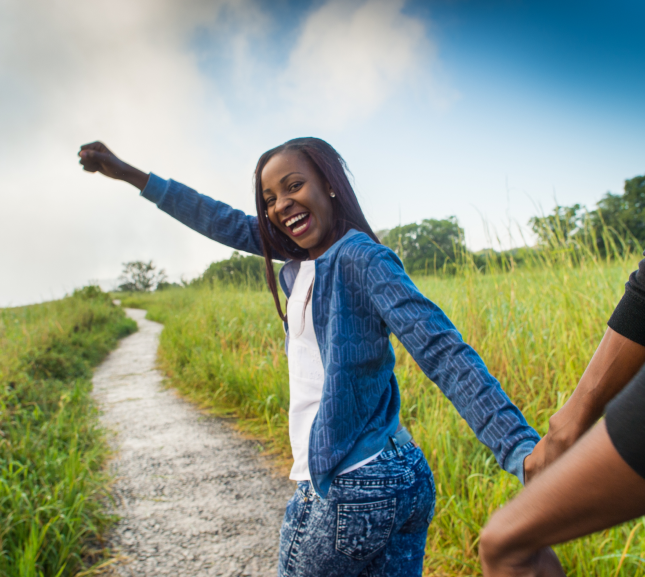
(536, 327)
(52, 450)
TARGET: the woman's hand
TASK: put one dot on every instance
(96, 157)
(563, 432)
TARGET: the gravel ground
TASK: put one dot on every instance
(194, 498)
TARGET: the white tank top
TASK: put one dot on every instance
(306, 374)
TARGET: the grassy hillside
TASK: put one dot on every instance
(536, 327)
(51, 448)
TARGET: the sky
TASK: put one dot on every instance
(490, 111)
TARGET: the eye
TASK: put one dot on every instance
(270, 201)
(295, 186)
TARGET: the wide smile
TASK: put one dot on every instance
(298, 224)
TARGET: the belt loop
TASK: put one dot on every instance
(396, 447)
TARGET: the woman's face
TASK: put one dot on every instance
(298, 201)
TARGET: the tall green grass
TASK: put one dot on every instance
(535, 326)
(52, 449)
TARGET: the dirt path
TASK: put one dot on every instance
(194, 498)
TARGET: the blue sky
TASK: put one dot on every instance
(483, 110)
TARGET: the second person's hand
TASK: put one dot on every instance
(562, 434)
(615, 362)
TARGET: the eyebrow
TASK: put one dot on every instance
(283, 179)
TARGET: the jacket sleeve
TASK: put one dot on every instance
(212, 218)
(436, 345)
(628, 319)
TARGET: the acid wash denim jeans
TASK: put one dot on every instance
(373, 523)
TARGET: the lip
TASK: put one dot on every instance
(306, 223)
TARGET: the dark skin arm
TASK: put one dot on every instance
(96, 157)
(615, 362)
(590, 488)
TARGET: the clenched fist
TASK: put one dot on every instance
(96, 157)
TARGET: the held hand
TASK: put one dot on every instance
(96, 157)
(563, 433)
(615, 362)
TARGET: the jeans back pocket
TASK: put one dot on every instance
(363, 528)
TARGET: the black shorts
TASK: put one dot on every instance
(625, 419)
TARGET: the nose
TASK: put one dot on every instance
(282, 203)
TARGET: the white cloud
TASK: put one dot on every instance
(119, 71)
(351, 57)
(128, 73)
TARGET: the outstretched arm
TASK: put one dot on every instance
(214, 219)
(436, 345)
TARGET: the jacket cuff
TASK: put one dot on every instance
(155, 189)
(514, 463)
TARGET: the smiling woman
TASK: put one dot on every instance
(365, 493)
(302, 189)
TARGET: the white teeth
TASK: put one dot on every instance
(299, 228)
(296, 218)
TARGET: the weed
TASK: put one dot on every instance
(536, 327)
(52, 449)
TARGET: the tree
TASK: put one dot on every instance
(237, 270)
(139, 276)
(623, 214)
(427, 246)
(617, 222)
(164, 285)
(559, 227)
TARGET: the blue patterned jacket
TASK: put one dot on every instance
(362, 294)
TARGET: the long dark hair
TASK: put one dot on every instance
(347, 213)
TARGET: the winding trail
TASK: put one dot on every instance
(194, 498)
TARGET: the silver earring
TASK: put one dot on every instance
(266, 213)
(332, 194)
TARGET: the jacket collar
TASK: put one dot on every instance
(289, 271)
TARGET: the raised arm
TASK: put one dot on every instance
(436, 345)
(212, 218)
(96, 157)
